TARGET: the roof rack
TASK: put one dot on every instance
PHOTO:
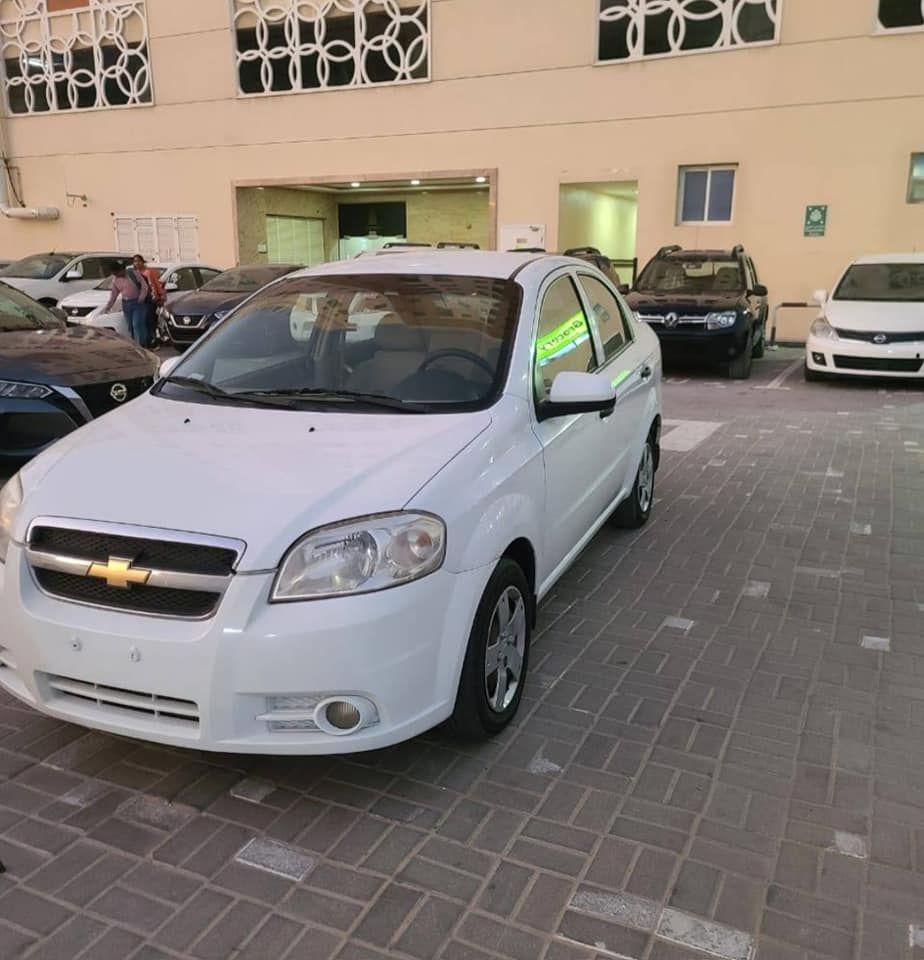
(664, 251)
(582, 251)
(451, 245)
(394, 244)
(527, 250)
(737, 249)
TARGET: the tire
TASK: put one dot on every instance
(48, 302)
(482, 710)
(760, 347)
(740, 367)
(635, 510)
(813, 376)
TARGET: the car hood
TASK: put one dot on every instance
(259, 475)
(27, 285)
(72, 357)
(85, 298)
(201, 303)
(643, 302)
(873, 317)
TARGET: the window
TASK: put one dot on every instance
(74, 54)
(901, 14)
(706, 194)
(205, 275)
(916, 179)
(615, 332)
(290, 47)
(184, 278)
(564, 341)
(158, 238)
(295, 240)
(93, 268)
(635, 29)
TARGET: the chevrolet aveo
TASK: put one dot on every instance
(323, 534)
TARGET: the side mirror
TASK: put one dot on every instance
(820, 297)
(167, 367)
(73, 274)
(172, 286)
(759, 290)
(573, 393)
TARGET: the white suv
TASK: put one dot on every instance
(48, 277)
(872, 325)
(358, 529)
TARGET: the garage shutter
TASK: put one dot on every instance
(159, 239)
(295, 240)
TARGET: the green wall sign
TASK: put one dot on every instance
(816, 220)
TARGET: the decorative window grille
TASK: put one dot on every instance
(901, 14)
(74, 54)
(636, 29)
(158, 238)
(285, 47)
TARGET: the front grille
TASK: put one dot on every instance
(153, 601)
(26, 431)
(684, 320)
(115, 701)
(156, 554)
(878, 364)
(79, 311)
(181, 580)
(865, 337)
(98, 396)
(184, 334)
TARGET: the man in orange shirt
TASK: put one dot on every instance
(156, 294)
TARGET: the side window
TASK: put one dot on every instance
(207, 275)
(92, 268)
(563, 342)
(185, 279)
(615, 333)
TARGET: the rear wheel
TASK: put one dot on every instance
(758, 352)
(497, 658)
(635, 510)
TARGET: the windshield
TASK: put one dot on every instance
(693, 277)
(419, 343)
(19, 312)
(245, 279)
(883, 283)
(104, 284)
(41, 266)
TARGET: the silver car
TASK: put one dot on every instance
(49, 277)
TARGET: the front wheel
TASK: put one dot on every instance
(635, 510)
(496, 661)
(740, 367)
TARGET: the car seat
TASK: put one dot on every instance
(399, 350)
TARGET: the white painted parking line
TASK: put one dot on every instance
(634, 911)
(850, 845)
(540, 764)
(883, 644)
(777, 382)
(757, 588)
(861, 529)
(277, 858)
(705, 935)
(916, 935)
(252, 790)
(679, 623)
(682, 436)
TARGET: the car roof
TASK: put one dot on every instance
(456, 263)
(892, 258)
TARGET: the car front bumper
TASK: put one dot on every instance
(698, 343)
(856, 358)
(211, 685)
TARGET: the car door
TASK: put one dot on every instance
(91, 270)
(576, 448)
(761, 304)
(625, 362)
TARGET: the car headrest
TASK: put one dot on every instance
(393, 334)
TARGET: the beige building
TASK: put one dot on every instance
(243, 130)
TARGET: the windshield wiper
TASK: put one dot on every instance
(210, 390)
(335, 396)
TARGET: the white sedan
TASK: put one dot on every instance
(872, 325)
(356, 530)
(88, 307)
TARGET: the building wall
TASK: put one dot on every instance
(255, 204)
(591, 217)
(830, 115)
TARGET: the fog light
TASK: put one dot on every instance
(819, 358)
(342, 715)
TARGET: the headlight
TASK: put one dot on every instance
(362, 556)
(823, 330)
(10, 502)
(721, 321)
(12, 390)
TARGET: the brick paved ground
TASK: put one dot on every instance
(721, 748)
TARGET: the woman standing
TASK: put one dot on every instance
(134, 291)
(156, 294)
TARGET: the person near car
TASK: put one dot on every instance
(133, 289)
(157, 296)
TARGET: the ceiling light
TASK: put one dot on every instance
(481, 179)
(355, 184)
(415, 183)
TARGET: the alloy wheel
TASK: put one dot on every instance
(505, 650)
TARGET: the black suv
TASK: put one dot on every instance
(704, 304)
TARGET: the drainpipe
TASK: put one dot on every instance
(20, 212)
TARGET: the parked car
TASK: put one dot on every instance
(705, 304)
(872, 325)
(49, 277)
(352, 542)
(55, 378)
(4, 263)
(190, 315)
(89, 306)
(602, 262)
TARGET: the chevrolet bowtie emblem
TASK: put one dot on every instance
(119, 573)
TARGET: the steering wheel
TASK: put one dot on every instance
(461, 355)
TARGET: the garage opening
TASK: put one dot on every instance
(601, 215)
(315, 223)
